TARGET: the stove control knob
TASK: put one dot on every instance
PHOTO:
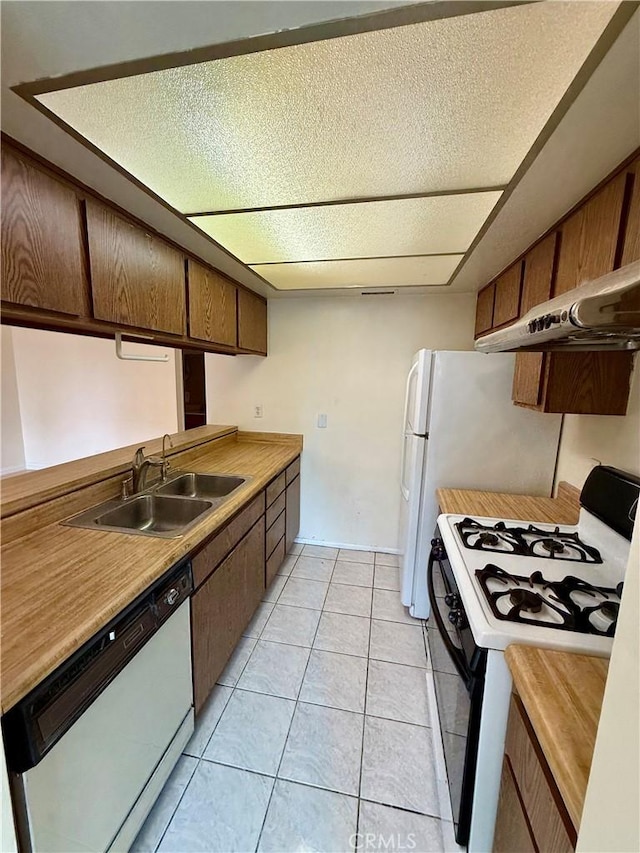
(452, 600)
(457, 618)
(437, 549)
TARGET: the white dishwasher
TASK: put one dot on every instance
(90, 748)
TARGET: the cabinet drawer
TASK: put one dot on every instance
(292, 471)
(210, 556)
(275, 509)
(275, 533)
(538, 792)
(274, 562)
(276, 487)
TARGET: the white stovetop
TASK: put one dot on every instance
(492, 633)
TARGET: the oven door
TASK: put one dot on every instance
(458, 672)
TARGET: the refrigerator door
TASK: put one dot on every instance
(416, 404)
(479, 440)
(414, 452)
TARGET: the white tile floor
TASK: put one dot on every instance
(317, 736)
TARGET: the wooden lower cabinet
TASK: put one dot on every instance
(292, 513)
(222, 608)
(531, 814)
(512, 833)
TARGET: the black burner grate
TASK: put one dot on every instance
(528, 541)
(556, 603)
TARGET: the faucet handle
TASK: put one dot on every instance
(138, 457)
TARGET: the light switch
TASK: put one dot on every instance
(257, 411)
(322, 421)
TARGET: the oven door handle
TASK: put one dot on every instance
(455, 654)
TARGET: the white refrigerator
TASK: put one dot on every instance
(462, 431)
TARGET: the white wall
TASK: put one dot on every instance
(589, 439)
(76, 398)
(12, 448)
(610, 817)
(346, 357)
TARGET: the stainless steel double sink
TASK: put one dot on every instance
(166, 509)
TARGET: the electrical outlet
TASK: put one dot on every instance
(257, 411)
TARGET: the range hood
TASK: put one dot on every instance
(603, 314)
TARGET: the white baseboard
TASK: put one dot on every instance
(347, 546)
(12, 469)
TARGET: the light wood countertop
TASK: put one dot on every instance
(561, 510)
(562, 695)
(62, 584)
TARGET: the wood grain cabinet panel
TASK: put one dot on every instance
(484, 309)
(274, 562)
(43, 258)
(506, 304)
(631, 240)
(222, 608)
(292, 524)
(589, 238)
(252, 322)
(136, 278)
(212, 306)
(537, 282)
(512, 833)
(546, 814)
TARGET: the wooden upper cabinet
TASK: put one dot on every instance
(136, 278)
(589, 238)
(252, 322)
(43, 261)
(528, 375)
(484, 309)
(212, 306)
(506, 306)
(631, 244)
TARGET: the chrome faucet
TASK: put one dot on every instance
(165, 462)
(140, 466)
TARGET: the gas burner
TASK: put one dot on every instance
(528, 541)
(496, 538)
(524, 599)
(552, 546)
(570, 604)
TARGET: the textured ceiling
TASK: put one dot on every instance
(444, 105)
(403, 227)
(367, 272)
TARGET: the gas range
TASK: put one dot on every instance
(493, 582)
(542, 584)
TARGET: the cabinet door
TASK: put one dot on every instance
(43, 262)
(536, 288)
(484, 309)
(590, 238)
(252, 322)
(212, 306)
(506, 305)
(222, 608)
(292, 525)
(631, 244)
(546, 814)
(512, 832)
(136, 278)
